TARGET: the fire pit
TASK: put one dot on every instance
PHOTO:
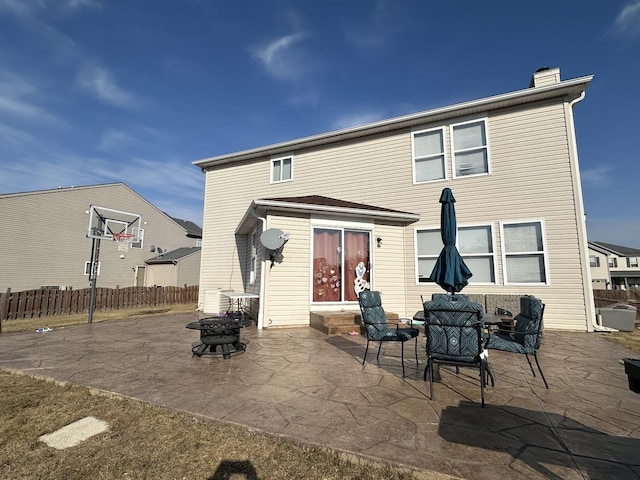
(223, 332)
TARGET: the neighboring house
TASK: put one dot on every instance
(43, 239)
(614, 266)
(369, 195)
(177, 268)
(193, 230)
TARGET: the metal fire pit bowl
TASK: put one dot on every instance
(223, 332)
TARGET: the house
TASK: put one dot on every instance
(44, 240)
(175, 268)
(614, 267)
(359, 207)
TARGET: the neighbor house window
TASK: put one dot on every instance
(632, 262)
(613, 262)
(524, 253)
(470, 148)
(594, 261)
(428, 155)
(428, 248)
(281, 169)
(87, 268)
(475, 245)
(138, 244)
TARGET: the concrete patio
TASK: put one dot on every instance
(302, 384)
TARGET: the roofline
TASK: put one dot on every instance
(572, 88)
(307, 208)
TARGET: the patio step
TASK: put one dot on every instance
(341, 322)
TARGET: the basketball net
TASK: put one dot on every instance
(124, 240)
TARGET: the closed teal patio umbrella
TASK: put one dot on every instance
(450, 271)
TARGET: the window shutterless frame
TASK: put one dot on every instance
(281, 169)
(524, 253)
(470, 148)
(429, 155)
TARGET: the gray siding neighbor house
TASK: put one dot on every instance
(360, 206)
(43, 239)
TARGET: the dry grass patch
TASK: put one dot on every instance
(58, 321)
(151, 442)
(630, 340)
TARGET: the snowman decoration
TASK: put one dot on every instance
(360, 284)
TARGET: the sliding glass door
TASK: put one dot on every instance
(341, 264)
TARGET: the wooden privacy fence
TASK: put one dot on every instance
(46, 302)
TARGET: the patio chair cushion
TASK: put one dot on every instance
(375, 321)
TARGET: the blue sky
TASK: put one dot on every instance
(98, 91)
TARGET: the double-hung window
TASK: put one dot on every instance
(632, 262)
(428, 247)
(428, 155)
(613, 262)
(470, 148)
(475, 245)
(594, 261)
(282, 169)
(524, 253)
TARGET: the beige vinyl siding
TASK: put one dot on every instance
(188, 270)
(288, 299)
(162, 275)
(531, 179)
(43, 237)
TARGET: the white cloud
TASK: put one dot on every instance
(598, 177)
(356, 119)
(19, 97)
(33, 8)
(99, 81)
(280, 57)
(628, 20)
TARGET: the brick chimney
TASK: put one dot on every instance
(545, 76)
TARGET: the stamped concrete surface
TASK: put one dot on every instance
(299, 383)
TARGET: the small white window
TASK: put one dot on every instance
(281, 169)
(470, 148)
(613, 262)
(198, 242)
(140, 241)
(524, 253)
(594, 261)
(632, 262)
(428, 155)
(87, 268)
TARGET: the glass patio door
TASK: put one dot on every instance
(341, 263)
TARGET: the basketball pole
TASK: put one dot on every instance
(93, 277)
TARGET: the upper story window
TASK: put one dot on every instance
(594, 261)
(524, 253)
(140, 241)
(613, 262)
(282, 169)
(428, 155)
(470, 148)
(428, 247)
(632, 262)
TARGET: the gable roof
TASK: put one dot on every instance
(310, 204)
(173, 256)
(568, 90)
(617, 249)
(191, 228)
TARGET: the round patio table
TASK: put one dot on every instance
(223, 332)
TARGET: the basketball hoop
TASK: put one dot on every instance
(124, 240)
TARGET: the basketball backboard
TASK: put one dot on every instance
(104, 223)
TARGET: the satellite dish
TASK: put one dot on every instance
(272, 238)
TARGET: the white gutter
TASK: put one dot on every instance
(263, 276)
(582, 224)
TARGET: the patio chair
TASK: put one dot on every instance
(455, 336)
(378, 329)
(526, 336)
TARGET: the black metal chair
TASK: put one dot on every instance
(455, 336)
(525, 339)
(378, 329)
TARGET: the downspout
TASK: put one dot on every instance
(582, 224)
(263, 276)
